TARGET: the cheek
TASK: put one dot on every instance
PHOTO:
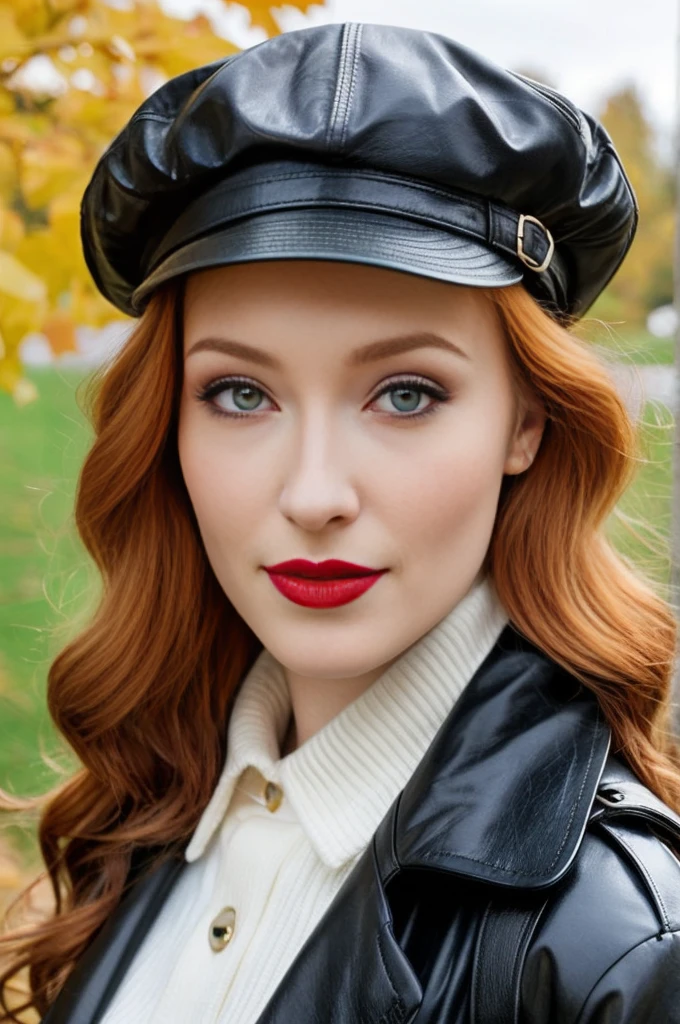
(448, 500)
(227, 487)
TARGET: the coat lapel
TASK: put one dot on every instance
(504, 792)
(351, 967)
(100, 970)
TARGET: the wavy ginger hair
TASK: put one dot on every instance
(134, 693)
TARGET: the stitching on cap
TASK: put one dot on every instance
(352, 83)
(347, 28)
(343, 105)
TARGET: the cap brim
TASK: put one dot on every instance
(347, 235)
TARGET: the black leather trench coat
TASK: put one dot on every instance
(523, 874)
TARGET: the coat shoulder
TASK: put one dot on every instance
(607, 948)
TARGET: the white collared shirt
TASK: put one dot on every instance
(278, 870)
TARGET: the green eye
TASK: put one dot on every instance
(245, 396)
(406, 399)
(241, 397)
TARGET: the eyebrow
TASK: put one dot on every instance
(380, 349)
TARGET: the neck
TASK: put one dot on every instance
(452, 645)
(314, 702)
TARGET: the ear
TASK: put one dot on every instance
(526, 438)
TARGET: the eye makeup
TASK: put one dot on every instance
(407, 382)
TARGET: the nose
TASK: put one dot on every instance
(317, 488)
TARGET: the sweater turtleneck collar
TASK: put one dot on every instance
(343, 779)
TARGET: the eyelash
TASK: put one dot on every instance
(209, 391)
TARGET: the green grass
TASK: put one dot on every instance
(42, 567)
(44, 571)
(640, 525)
(630, 345)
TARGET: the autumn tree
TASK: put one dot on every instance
(645, 278)
(102, 60)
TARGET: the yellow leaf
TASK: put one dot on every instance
(47, 167)
(13, 42)
(50, 259)
(9, 172)
(32, 16)
(16, 130)
(12, 230)
(17, 281)
(176, 46)
(65, 208)
(7, 103)
(120, 48)
(65, 6)
(17, 319)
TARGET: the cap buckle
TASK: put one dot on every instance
(526, 259)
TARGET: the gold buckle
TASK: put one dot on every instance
(528, 260)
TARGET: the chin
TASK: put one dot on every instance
(323, 665)
(324, 657)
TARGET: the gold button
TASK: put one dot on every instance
(273, 795)
(222, 928)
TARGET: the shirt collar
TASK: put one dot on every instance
(343, 779)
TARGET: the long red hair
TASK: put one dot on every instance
(134, 693)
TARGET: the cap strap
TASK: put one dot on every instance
(522, 235)
(287, 184)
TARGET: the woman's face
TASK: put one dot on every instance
(339, 411)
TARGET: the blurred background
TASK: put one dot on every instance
(71, 74)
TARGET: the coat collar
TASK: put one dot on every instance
(504, 792)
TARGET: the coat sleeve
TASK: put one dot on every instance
(642, 987)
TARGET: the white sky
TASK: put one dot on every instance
(587, 47)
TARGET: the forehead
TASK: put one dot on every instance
(274, 301)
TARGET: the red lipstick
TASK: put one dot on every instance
(322, 584)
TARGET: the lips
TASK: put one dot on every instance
(325, 584)
(332, 568)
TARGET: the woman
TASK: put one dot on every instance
(374, 723)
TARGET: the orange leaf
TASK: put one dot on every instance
(60, 331)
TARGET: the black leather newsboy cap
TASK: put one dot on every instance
(366, 143)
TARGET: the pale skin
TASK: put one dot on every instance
(321, 465)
